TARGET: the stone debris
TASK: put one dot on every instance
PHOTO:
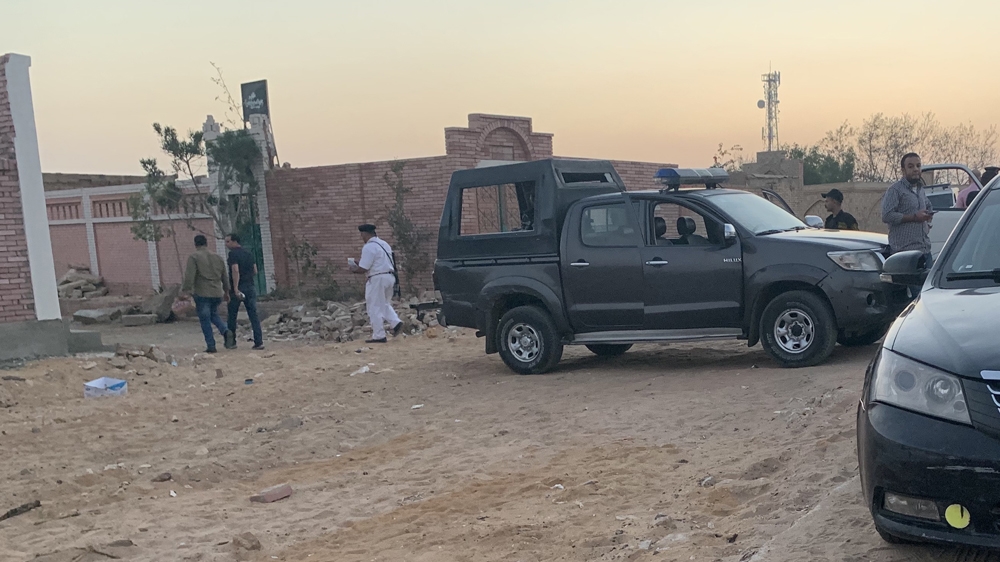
(272, 494)
(161, 304)
(78, 283)
(97, 316)
(344, 322)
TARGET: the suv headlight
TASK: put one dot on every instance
(860, 260)
(914, 386)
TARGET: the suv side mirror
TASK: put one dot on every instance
(814, 221)
(729, 234)
(905, 268)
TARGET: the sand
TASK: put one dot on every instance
(685, 452)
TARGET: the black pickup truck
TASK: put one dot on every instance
(542, 254)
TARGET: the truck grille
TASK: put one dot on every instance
(985, 413)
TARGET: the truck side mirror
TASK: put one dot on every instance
(905, 268)
(729, 234)
(814, 221)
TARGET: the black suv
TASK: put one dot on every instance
(543, 254)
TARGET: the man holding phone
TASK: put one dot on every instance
(908, 212)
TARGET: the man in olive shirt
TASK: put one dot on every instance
(205, 278)
(839, 219)
(242, 270)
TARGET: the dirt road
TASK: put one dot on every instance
(696, 452)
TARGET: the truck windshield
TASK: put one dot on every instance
(973, 260)
(756, 214)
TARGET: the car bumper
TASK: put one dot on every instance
(862, 301)
(909, 454)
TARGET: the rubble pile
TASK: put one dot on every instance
(78, 283)
(344, 322)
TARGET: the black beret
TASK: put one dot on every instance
(367, 228)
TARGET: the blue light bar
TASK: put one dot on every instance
(675, 177)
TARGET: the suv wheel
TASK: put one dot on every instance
(797, 328)
(528, 341)
(863, 338)
(609, 349)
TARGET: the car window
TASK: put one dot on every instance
(607, 225)
(755, 213)
(975, 250)
(495, 209)
(677, 225)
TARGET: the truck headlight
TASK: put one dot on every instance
(914, 386)
(860, 260)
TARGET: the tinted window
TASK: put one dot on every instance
(975, 251)
(672, 227)
(755, 213)
(586, 177)
(607, 225)
(496, 209)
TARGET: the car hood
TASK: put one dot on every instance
(950, 329)
(842, 239)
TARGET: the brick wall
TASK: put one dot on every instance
(16, 297)
(58, 182)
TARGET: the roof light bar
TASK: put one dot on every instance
(673, 178)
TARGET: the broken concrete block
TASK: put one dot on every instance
(273, 494)
(133, 320)
(103, 291)
(97, 316)
(157, 354)
(161, 304)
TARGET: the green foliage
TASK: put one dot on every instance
(409, 240)
(731, 159)
(820, 166)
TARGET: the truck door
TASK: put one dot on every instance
(693, 277)
(601, 271)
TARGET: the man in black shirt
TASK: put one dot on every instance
(839, 219)
(242, 270)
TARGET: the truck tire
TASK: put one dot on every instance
(609, 349)
(863, 338)
(798, 329)
(528, 341)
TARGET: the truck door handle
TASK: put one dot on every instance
(580, 263)
(657, 261)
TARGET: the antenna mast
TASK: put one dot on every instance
(769, 133)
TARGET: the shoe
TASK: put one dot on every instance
(397, 329)
(380, 340)
(211, 350)
(258, 347)
(230, 339)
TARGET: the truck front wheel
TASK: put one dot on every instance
(528, 341)
(798, 329)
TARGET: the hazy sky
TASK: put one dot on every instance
(655, 80)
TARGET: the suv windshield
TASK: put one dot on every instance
(756, 214)
(973, 259)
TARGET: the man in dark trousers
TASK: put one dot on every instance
(908, 213)
(205, 278)
(243, 271)
(839, 219)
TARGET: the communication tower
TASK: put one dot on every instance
(769, 104)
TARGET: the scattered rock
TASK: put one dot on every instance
(247, 541)
(36, 430)
(118, 362)
(123, 543)
(165, 477)
(134, 320)
(97, 316)
(201, 452)
(272, 494)
(707, 482)
(13, 378)
(644, 545)
(88, 365)
(174, 419)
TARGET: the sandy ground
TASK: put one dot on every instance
(601, 460)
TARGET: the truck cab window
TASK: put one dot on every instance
(676, 225)
(607, 225)
(496, 209)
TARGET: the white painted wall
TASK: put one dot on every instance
(29, 169)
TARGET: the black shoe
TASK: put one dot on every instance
(397, 329)
(258, 347)
(230, 339)
(380, 340)
(211, 350)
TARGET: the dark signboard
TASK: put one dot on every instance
(255, 99)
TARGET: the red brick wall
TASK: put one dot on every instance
(170, 272)
(123, 260)
(16, 298)
(69, 246)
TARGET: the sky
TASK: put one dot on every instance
(356, 81)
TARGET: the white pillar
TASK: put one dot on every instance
(29, 169)
(88, 218)
(154, 264)
(259, 129)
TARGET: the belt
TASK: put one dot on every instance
(383, 273)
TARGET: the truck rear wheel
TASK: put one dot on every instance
(798, 329)
(528, 341)
(609, 349)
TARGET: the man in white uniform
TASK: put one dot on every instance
(377, 264)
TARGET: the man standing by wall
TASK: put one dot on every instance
(839, 219)
(205, 277)
(242, 272)
(907, 211)
(377, 264)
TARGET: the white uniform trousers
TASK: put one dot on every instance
(378, 300)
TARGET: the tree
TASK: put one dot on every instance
(821, 165)
(731, 159)
(409, 254)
